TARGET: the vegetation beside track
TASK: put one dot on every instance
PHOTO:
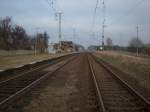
(17, 60)
(134, 54)
(137, 67)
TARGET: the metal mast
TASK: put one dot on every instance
(137, 49)
(59, 15)
(103, 25)
(74, 38)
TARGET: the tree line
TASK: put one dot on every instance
(15, 37)
(133, 45)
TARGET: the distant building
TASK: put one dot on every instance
(64, 46)
(95, 48)
(67, 46)
(78, 48)
(51, 48)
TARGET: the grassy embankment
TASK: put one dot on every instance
(17, 60)
(137, 67)
(135, 54)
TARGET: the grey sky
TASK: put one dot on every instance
(122, 16)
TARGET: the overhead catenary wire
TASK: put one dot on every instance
(102, 2)
(95, 11)
(130, 11)
(103, 23)
(136, 6)
(51, 4)
(94, 17)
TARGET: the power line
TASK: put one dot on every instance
(134, 7)
(104, 18)
(137, 49)
(94, 15)
(95, 11)
(59, 16)
(103, 24)
(51, 4)
(131, 10)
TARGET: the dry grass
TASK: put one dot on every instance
(13, 61)
(137, 66)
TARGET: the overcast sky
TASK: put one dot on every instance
(122, 17)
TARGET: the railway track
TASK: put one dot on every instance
(30, 68)
(14, 88)
(106, 92)
(114, 94)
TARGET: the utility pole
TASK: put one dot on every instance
(59, 16)
(103, 33)
(74, 38)
(103, 25)
(120, 41)
(35, 49)
(137, 49)
(36, 39)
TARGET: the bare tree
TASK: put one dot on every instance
(109, 42)
(5, 33)
(134, 42)
(46, 37)
(15, 37)
(41, 41)
(19, 37)
(136, 45)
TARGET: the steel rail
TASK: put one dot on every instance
(100, 100)
(21, 92)
(143, 100)
(52, 61)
